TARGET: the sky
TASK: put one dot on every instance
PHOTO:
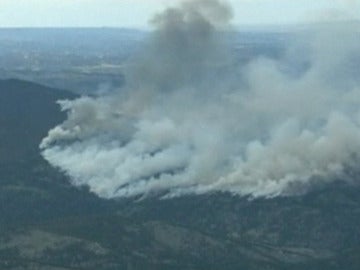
(137, 13)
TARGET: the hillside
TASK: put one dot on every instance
(46, 223)
(27, 110)
(31, 190)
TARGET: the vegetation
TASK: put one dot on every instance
(45, 223)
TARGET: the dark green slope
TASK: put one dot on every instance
(27, 111)
(30, 189)
(45, 223)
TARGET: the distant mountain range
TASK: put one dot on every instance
(46, 223)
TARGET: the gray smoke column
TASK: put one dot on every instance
(191, 121)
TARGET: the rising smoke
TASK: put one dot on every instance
(191, 120)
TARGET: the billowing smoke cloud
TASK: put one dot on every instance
(192, 120)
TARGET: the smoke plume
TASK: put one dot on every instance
(192, 120)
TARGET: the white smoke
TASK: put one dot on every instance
(190, 120)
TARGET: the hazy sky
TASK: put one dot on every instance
(136, 13)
